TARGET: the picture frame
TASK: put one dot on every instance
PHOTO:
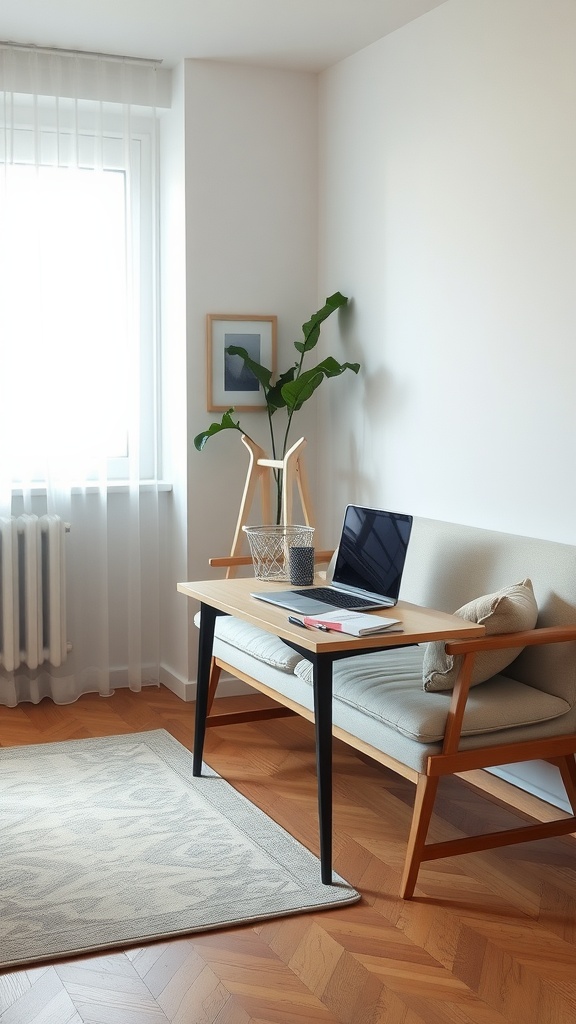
(229, 382)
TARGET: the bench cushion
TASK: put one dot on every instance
(507, 611)
(263, 646)
(387, 686)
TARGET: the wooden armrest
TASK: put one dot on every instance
(469, 649)
(524, 638)
(218, 563)
(323, 556)
(230, 560)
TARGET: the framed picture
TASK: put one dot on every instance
(230, 382)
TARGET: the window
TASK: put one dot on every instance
(77, 280)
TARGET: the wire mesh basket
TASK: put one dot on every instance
(270, 548)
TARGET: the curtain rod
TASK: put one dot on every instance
(79, 53)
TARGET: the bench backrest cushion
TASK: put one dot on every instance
(506, 611)
(449, 564)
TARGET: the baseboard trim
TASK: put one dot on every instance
(228, 686)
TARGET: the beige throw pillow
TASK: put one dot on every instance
(507, 611)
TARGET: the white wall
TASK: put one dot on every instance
(448, 213)
(250, 206)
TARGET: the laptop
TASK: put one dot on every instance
(368, 570)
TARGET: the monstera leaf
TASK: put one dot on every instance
(300, 390)
(226, 423)
(275, 395)
(262, 373)
(311, 329)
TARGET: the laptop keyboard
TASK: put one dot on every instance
(336, 597)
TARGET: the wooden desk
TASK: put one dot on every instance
(232, 597)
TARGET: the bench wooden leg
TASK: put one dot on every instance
(423, 805)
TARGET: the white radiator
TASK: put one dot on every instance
(32, 591)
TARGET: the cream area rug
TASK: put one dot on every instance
(110, 842)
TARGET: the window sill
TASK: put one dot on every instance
(112, 487)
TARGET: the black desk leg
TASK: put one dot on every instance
(322, 679)
(207, 621)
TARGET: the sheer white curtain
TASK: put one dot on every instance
(78, 351)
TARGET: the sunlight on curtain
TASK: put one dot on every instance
(78, 352)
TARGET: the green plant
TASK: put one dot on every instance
(289, 391)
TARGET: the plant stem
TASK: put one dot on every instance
(277, 473)
(292, 411)
(284, 446)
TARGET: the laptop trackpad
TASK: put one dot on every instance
(295, 602)
(307, 605)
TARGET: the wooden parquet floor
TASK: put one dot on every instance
(488, 939)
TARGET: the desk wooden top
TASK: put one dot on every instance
(418, 624)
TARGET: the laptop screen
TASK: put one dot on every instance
(372, 550)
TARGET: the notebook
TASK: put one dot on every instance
(341, 620)
(368, 570)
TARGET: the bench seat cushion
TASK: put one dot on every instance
(265, 647)
(366, 728)
(387, 686)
